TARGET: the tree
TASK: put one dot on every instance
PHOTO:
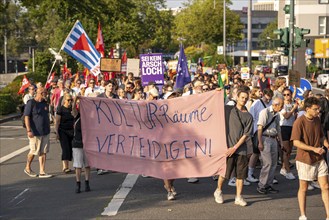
(201, 22)
(267, 36)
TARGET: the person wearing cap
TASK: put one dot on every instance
(82, 89)
(263, 82)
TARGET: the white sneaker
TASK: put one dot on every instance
(283, 172)
(310, 187)
(218, 196)
(192, 180)
(231, 182)
(275, 181)
(290, 176)
(315, 184)
(252, 179)
(246, 183)
(170, 196)
(144, 176)
(240, 201)
(303, 217)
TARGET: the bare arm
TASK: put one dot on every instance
(231, 150)
(28, 127)
(260, 140)
(303, 146)
(58, 121)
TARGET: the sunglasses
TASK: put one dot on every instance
(205, 89)
(69, 99)
(92, 83)
(286, 94)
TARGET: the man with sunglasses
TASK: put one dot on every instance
(92, 90)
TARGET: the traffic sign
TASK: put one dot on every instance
(309, 51)
(304, 85)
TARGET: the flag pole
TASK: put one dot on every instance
(61, 50)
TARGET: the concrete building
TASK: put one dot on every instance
(260, 19)
(267, 5)
(309, 14)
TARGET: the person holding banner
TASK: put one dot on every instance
(239, 125)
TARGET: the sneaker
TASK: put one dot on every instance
(261, 190)
(215, 178)
(283, 172)
(275, 181)
(144, 176)
(252, 179)
(231, 182)
(303, 217)
(270, 189)
(315, 184)
(290, 176)
(218, 196)
(101, 172)
(45, 175)
(170, 196)
(192, 180)
(30, 173)
(173, 190)
(246, 183)
(240, 201)
(310, 187)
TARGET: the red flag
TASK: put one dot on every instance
(66, 73)
(124, 58)
(25, 84)
(51, 78)
(100, 43)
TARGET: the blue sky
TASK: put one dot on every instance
(237, 4)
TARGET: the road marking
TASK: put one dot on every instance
(8, 138)
(20, 194)
(11, 126)
(14, 154)
(119, 197)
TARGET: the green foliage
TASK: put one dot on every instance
(6, 104)
(200, 22)
(12, 89)
(267, 36)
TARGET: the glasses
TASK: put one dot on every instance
(205, 89)
(286, 94)
(78, 83)
(92, 83)
(69, 100)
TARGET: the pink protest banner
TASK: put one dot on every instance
(168, 139)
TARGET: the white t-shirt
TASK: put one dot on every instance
(290, 121)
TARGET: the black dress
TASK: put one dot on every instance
(65, 131)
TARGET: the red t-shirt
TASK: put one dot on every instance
(310, 133)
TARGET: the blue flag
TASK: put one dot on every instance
(183, 77)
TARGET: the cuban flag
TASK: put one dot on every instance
(183, 77)
(79, 46)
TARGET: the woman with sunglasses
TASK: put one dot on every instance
(64, 130)
(287, 119)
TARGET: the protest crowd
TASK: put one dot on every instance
(264, 122)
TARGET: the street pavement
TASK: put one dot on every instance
(23, 197)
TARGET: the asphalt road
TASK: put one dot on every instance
(22, 197)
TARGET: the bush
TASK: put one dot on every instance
(7, 104)
(12, 89)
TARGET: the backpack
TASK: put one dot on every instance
(23, 117)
